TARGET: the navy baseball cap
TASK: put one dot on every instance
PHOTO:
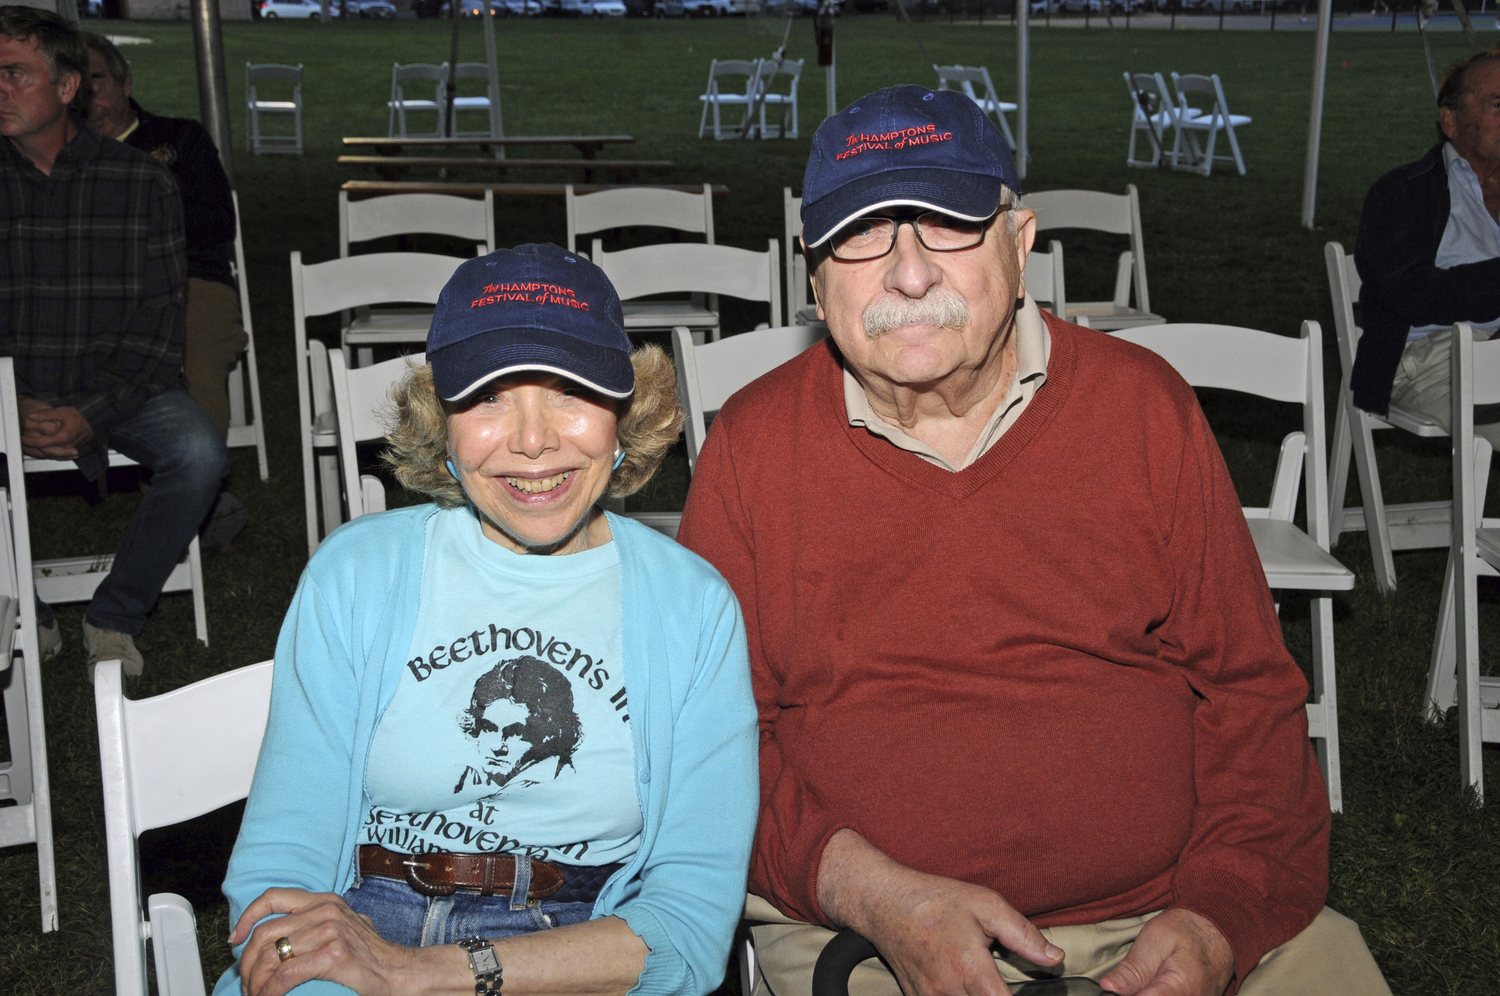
(905, 145)
(534, 307)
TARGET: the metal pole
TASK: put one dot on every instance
(1023, 80)
(497, 126)
(832, 75)
(1315, 114)
(451, 90)
(213, 90)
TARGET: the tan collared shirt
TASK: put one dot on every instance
(1033, 347)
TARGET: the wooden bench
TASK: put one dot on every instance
(392, 167)
(506, 189)
(588, 146)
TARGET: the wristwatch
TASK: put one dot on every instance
(485, 964)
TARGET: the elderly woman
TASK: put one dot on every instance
(512, 738)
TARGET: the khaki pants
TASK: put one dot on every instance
(1329, 958)
(1424, 384)
(215, 340)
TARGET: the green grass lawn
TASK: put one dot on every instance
(1412, 862)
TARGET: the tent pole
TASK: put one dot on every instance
(1315, 114)
(1023, 81)
(213, 90)
(497, 127)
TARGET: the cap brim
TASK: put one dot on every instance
(464, 367)
(964, 195)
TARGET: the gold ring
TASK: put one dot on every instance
(283, 948)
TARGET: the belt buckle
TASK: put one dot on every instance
(420, 886)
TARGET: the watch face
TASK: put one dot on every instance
(484, 962)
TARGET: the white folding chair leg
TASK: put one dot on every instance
(195, 574)
(1322, 712)
(328, 490)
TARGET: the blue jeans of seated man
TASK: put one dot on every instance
(184, 449)
(401, 916)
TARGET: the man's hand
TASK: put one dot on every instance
(54, 433)
(1178, 953)
(934, 932)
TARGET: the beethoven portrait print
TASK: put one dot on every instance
(509, 730)
(520, 715)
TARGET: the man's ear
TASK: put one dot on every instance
(1447, 122)
(1025, 220)
(67, 87)
(812, 258)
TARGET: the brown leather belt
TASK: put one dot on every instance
(438, 874)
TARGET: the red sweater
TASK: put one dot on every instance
(1057, 673)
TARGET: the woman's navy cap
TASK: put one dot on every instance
(904, 145)
(534, 307)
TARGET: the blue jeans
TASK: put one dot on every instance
(184, 449)
(401, 916)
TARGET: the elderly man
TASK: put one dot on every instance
(1429, 252)
(92, 286)
(1021, 684)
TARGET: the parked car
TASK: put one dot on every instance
(305, 10)
(382, 10)
(671, 8)
(706, 8)
(609, 8)
(1078, 6)
(574, 8)
(1047, 6)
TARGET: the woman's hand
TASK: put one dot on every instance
(330, 941)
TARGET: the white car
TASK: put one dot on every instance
(609, 8)
(575, 8)
(707, 8)
(306, 10)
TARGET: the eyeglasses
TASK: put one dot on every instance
(871, 238)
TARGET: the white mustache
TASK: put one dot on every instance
(938, 307)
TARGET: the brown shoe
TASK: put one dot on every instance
(107, 645)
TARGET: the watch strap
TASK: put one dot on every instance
(485, 964)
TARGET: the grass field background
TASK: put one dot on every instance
(1412, 862)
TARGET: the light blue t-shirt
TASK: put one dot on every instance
(509, 730)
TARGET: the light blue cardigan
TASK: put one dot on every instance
(692, 717)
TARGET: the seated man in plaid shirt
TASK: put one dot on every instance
(92, 288)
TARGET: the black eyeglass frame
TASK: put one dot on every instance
(984, 230)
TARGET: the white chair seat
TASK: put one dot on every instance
(1293, 561)
(642, 315)
(471, 103)
(274, 105)
(1417, 425)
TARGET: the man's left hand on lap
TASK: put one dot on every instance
(55, 433)
(1178, 953)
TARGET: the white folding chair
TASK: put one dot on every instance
(708, 373)
(1153, 112)
(272, 73)
(327, 288)
(716, 98)
(673, 268)
(407, 76)
(1191, 121)
(989, 102)
(361, 404)
(1285, 369)
(245, 429)
(1044, 278)
(1475, 550)
(405, 214)
(639, 207)
(1411, 526)
(26, 813)
(167, 759)
(779, 100)
(801, 309)
(491, 107)
(1117, 214)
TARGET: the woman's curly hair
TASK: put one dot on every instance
(647, 424)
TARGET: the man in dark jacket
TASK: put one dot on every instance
(1428, 252)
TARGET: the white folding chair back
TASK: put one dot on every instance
(801, 309)
(1191, 120)
(26, 813)
(1044, 278)
(417, 214)
(657, 207)
(672, 268)
(1117, 214)
(716, 97)
(164, 760)
(1279, 368)
(1409, 526)
(245, 428)
(708, 373)
(489, 102)
(343, 285)
(415, 78)
(1475, 550)
(362, 408)
(1153, 113)
(975, 82)
(272, 73)
(778, 86)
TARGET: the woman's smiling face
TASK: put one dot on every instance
(533, 451)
